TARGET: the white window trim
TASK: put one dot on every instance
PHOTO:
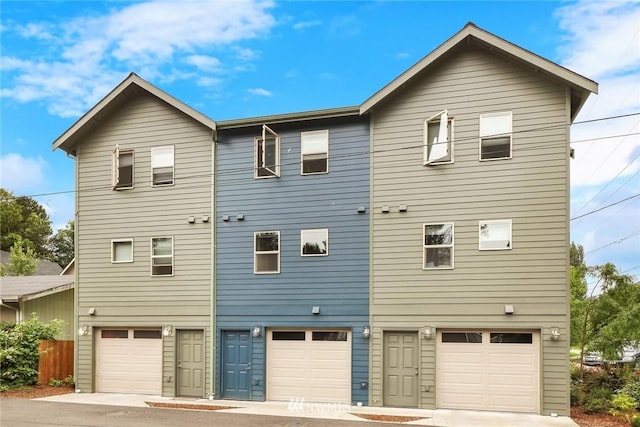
(255, 253)
(450, 123)
(302, 172)
(151, 257)
(173, 165)
(490, 136)
(495, 221)
(302, 241)
(113, 253)
(425, 246)
(256, 143)
(115, 168)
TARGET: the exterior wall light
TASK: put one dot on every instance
(555, 333)
(257, 331)
(167, 330)
(366, 332)
(427, 332)
(84, 330)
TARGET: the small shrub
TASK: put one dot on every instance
(632, 388)
(55, 383)
(611, 378)
(69, 380)
(575, 392)
(635, 421)
(597, 401)
(623, 406)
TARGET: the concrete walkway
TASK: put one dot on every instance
(439, 417)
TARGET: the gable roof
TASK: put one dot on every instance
(43, 266)
(14, 288)
(119, 95)
(580, 86)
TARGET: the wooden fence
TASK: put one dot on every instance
(56, 360)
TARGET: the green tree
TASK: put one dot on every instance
(61, 245)
(23, 218)
(22, 261)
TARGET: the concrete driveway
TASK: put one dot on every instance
(335, 412)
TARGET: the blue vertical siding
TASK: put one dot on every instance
(338, 283)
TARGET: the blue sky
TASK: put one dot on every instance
(249, 57)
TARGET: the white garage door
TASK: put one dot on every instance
(129, 361)
(488, 370)
(314, 365)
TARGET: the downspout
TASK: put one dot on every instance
(76, 273)
(212, 299)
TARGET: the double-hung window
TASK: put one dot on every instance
(267, 154)
(495, 235)
(314, 147)
(121, 251)
(162, 256)
(162, 165)
(495, 136)
(314, 242)
(122, 177)
(438, 246)
(438, 135)
(266, 252)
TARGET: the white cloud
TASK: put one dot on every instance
(260, 92)
(205, 63)
(20, 174)
(89, 56)
(402, 55)
(306, 24)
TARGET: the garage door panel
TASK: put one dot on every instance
(125, 364)
(502, 375)
(317, 368)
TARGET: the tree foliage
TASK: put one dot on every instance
(578, 292)
(61, 245)
(22, 261)
(23, 218)
(19, 350)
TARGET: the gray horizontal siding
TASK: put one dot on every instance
(338, 283)
(531, 189)
(125, 294)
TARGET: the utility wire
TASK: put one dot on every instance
(605, 207)
(614, 242)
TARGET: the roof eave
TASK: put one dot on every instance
(290, 117)
(470, 30)
(68, 140)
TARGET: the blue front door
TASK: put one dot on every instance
(236, 365)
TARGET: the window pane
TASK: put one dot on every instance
(314, 242)
(495, 148)
(161, 157)
(162, 246)
(329, 336)
(270, 152)
(287, 335)
(114, 333)
(162, 270)
(311, 165)
(147, 334)
(163, 176)
(436, 149)
(125, 170)
(267, 263)
(495, 124)
(267, 242)
(438, 234)
(495, 235)
(315, 142)
(437, 257)
(122, 251)
(511, 338)
(462, 337)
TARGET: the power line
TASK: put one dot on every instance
(605, 207)
(614, 242)
(227, 172)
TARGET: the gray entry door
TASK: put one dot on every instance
(191, 363)
(400, 369)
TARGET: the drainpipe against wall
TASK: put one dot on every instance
(212, 298)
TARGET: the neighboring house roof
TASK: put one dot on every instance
(114, 99)
(290, 117)
(580, 86)
(15, 288)
(43, 267)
